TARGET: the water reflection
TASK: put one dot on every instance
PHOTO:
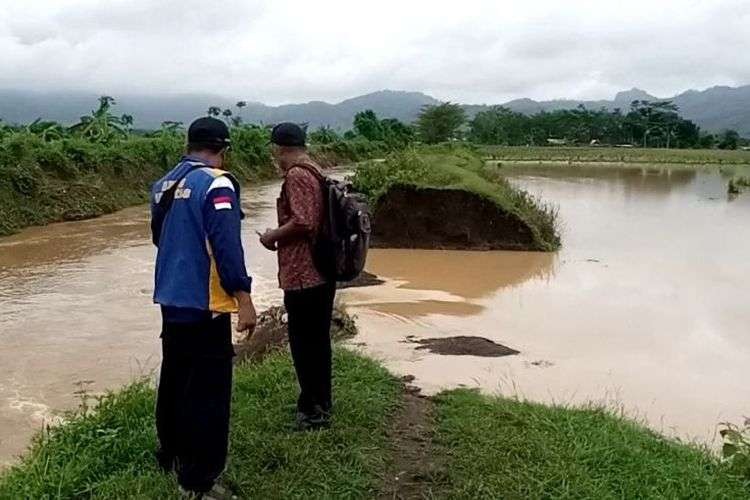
(449, 282)
(643, 180)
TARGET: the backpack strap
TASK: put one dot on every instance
(310, 168)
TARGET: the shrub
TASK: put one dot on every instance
(736, 449)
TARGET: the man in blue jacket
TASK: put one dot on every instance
(200, 280)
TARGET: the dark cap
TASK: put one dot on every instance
(288, 134)
(209, 130)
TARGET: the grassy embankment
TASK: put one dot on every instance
(482, 447)
(74, 178)
(618, 155)
(734, 165)
(456, 168)
(501, 448)
(107, 453)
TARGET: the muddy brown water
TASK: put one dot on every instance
(645, 306)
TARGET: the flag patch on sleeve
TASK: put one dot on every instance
(222, 203)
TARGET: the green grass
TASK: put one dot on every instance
(459, 168)
(484, 447)
(108, 453)
(500, 448)
(74, 178)
(618, 155)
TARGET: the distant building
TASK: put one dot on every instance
(557, 142)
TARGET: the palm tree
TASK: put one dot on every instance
(237, 120)
(127, 121)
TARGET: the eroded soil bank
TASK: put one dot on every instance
(412, 217)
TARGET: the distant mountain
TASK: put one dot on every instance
(714, 109)
(150, 111)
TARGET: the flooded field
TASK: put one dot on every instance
(645, 307)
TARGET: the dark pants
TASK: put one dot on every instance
(193, 401)
(309, 312)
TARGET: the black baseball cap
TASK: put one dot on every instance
(208, 130)
(288, 134)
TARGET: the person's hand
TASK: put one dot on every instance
(247, 317)
(266, 239)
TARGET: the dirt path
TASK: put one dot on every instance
(412, 471)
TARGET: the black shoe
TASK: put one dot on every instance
(217, 492)
(318, 419)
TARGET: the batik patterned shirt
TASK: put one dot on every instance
(301, 200)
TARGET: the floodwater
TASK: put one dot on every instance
(76, 310)
(645, 307)
(644, 310)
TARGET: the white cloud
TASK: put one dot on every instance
(285, 50)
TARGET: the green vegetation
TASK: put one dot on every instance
(501, 448)
(50, 173)
(738, 184)
(461, 168)
(390, 131)
(107, 452)
(647, 124)
(736, 449)
(484, 447)
(440, 123)
(655, 124)
(370, 137)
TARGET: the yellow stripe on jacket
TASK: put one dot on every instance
(219, 301)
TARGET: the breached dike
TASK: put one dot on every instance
(446, 219)
(448, 198)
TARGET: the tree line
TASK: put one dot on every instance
(646, 124)
(656, 124)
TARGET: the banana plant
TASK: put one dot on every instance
(169, 128)
(47, 130)
(101, 125)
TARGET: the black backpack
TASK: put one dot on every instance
(341, 245)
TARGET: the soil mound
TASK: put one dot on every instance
(452, 219)
(465, 346)
(271, 333)
(364, 279)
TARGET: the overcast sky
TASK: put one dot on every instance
(276, 51)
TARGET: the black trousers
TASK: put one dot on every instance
(193, 400)
(309, 311)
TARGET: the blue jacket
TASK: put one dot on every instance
(200, 263)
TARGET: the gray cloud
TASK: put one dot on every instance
(284, 50)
